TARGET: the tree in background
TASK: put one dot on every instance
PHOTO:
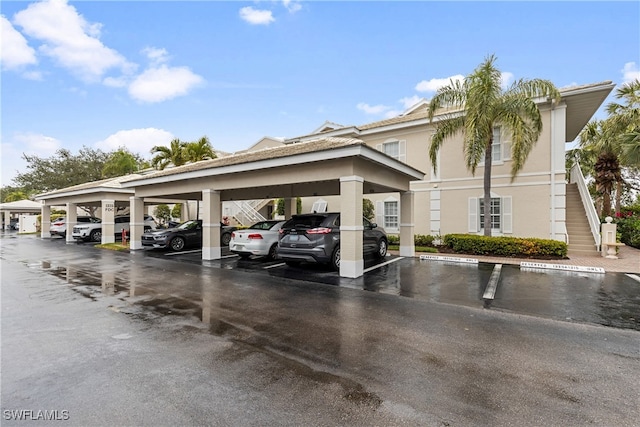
(162, 212)
(280, 206)
(624, 120)
(122, 162)
(61, 170)
(176, 211)
(199, 150)
(368, 210)
(174, 155)
(479, 105)
(12, 194)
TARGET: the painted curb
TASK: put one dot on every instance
(448, 259)
(562, 267)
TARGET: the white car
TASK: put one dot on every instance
(259, 239)
(59, 226)
(93, 232)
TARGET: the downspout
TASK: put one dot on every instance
(553, 173)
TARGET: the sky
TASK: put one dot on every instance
(111, 74)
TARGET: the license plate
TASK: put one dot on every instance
(293, 237)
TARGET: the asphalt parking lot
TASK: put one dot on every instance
(611, 299)
(152, 338)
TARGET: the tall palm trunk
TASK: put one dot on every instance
(487, 188)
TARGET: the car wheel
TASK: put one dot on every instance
(382, 248)
(335, 258)
(273, 251)
(225, 239)
(177, 243)
(95, 236)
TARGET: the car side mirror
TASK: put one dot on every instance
(374, 225)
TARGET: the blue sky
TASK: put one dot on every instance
(138, 74)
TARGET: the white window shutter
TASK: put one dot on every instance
(507, 216)
(380, 213)
(506, 150)
(379, 147)
(473, 214)
(402, 151)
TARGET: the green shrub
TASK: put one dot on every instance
(628, 223)
(418, 240)
(505, 246)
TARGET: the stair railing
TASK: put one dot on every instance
(594, 221)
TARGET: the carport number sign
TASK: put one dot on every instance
(108, 207)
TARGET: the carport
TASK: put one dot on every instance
(18, 207)
(328, 166)
(107, 195)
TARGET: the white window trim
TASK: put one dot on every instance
(506, 215)
(402, 148)
(505, 150)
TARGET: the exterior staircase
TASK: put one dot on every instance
(581, 240)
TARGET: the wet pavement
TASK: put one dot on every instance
(163, 339)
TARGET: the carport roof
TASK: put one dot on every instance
(21, 206)
(318, 149)
(110, 184)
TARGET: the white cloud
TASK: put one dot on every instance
(434, 84)
(291, 5)
(15, 52)
(255, 16)
(69, 39)
(506, 78)
(372, 109)
(139, 141)
(630, 72)
(409, 102)
(163, 83)
(156, 55)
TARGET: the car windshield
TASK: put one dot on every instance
(188, 225)
(264, 225)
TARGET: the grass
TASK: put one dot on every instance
(418, 248)
(114, 246)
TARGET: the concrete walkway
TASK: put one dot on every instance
(628, 260)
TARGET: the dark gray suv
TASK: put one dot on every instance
(316, 238)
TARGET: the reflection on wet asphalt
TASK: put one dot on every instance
(610, 299)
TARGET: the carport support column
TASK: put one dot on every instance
(71, 221)
(184, 212)
(45, 222)
(407, 225)
(7, 220)
(290, 207)
(212, 215)
(108, 221)
(351, 228)
(136, 226)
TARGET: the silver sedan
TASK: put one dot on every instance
(259, 239)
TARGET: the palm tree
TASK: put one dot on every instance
(172, 155)
(200, 150)
(597, 137)
(480, 104)
(624, 120)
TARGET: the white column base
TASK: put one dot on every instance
(351, 269)
(135, 245)
(211, 253)
(408, 251)
(108, 239)
(44, 235)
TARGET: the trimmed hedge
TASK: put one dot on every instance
(418, 240)
(505, 246)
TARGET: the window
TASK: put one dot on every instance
(393, 148)
(390, 214)
(319, 206)
(500, 211)
(500, 148)
(494, 212)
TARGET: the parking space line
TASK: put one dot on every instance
(492, 286)
(184, 252)
(634, 277)
(366, 270)
(274, 265)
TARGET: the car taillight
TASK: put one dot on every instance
(255, 236)
(281, 231)
(319, 230)
(233, 235)
(58, 223)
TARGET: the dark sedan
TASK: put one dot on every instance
(188, 234)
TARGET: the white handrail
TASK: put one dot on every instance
(594, 221)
